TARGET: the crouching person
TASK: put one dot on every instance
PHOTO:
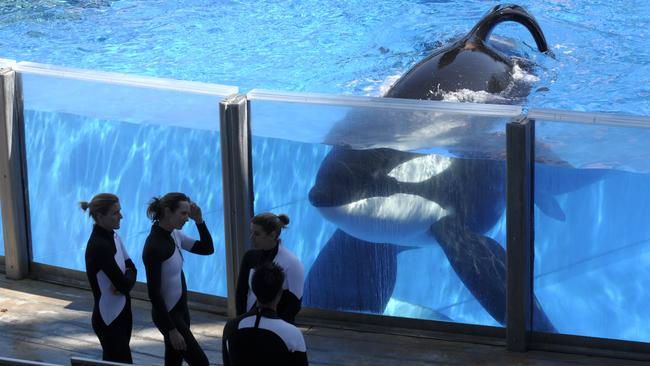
(260, 337)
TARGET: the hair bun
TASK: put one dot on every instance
(284, 219)
(84, 205)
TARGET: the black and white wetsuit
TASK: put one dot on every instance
(260, 337)
(109, 268)
(163, 262)
(294, 278)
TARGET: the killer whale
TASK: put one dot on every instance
(382, 208)
(470, 63)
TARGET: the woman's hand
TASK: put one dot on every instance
(115, 291)
(176, 339)
(195, 213)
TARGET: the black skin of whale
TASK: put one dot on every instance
(356, 275)
(469, 63)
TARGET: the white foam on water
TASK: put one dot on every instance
(466, 95)
(519, 74)
(388, 83)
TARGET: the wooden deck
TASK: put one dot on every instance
(40, 321)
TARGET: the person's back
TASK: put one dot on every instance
(260, 337)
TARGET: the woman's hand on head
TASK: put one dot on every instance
(195, 213)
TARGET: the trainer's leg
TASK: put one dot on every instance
(115, 337)
(172, 357)
(193, 353)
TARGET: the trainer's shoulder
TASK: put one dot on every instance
(291, 335)
(286, 258)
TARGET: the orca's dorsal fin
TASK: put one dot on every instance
(547, 203)
(509, 12)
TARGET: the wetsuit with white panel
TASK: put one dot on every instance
(163, 260)
(111, 274)
(260, 337)
(294, 279)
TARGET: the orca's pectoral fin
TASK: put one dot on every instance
(352, 274)
(547, 203)
(480, 262)
(541, 322)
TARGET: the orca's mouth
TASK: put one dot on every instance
(347, 176)
(320, 196)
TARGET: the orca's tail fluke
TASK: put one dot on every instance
(509, 12)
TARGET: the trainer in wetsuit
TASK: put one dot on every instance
(260, 337)
(265, 236)
(111, 274)
(163, 263)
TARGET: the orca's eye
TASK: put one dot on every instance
(419, 169)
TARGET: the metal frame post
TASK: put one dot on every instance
(520, 146)
(13, 172)
(237, 185)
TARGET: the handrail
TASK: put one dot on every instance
(608, 119)
(6, 361)
(125, 79)
(392, 103)
(80, 361)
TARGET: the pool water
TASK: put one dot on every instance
(590, 267)
(343, 47)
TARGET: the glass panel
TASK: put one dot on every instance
(136, 137)
(372, 186)
(6, 63)
(592, 238)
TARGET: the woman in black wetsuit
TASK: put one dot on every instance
(265, 235)
(163, 263)
(111, 274)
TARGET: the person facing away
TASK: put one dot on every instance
(260, 337)
(111, 274)
(265, 236)
(163, 261)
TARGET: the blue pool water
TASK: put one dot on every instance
(590, 268)
(349, 47)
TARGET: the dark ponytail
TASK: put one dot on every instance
(157, 205)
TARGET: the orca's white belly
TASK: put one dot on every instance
(403, 219)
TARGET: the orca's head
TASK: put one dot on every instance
(379, 195)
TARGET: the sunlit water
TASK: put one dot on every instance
(590, 268)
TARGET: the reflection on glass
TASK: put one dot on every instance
(89, 132)
(592, 238)
(71, 158)
(401, 227)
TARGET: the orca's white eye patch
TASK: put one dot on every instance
(420, 169)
